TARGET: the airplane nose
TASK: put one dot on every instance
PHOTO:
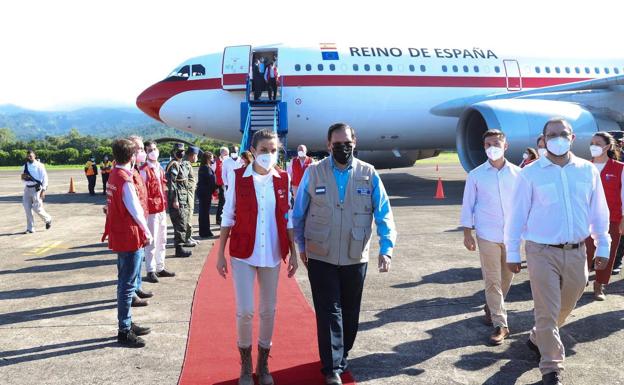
(150, 100)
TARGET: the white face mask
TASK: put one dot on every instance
(301, 154)
(233, 155)
(559, 146)
(141, 156)
(525, 156)
(542, 151)
(266, 161)
(153, 155)
(596, 151)
(494, 153)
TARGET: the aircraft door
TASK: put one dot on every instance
(235, 67)
(513, 76)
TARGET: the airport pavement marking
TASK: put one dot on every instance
(45, 248)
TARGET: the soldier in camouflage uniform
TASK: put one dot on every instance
(177, 199)
(191, 157)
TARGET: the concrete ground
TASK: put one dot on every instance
(420, 323)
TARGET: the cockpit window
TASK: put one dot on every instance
(179, 74)
(198, 70)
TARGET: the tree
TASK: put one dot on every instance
(7, 137)
(5, 158)
(18, 156)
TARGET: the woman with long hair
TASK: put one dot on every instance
(206, 186)
(256, 219)
(604, 155)
(530, 155)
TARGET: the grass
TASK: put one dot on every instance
(443, 158)
(47, 166)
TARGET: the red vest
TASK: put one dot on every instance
(124, 234)
(298, 169)
(218, 170)
(141, 190)
(243, 234)
(156, 197)
(611, 176)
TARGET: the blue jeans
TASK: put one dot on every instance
(128, 267)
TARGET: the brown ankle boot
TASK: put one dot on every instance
(599, 294)
(246, 376)
(262, 368)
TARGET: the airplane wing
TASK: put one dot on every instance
(604, 97)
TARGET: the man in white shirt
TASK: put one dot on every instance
(558, 202)
(35, 180)
(230, 164)
(487, 203)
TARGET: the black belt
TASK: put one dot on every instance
(31, 186)
(567, 246)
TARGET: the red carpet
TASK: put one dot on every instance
(211, 352)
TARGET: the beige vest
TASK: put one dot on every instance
(339, 233)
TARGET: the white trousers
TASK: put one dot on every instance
(32, 202)
(244, 276)
(155, 253)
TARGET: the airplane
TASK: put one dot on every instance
(405, 103)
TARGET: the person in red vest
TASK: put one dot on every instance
(154, 177)
(256, 218)
(127, 232)
(224, 153)
(298, 167)
(604, 155)
(529, 156)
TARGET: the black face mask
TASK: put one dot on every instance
(179, 154)
(342, 153)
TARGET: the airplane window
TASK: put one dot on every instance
(412, 68)
(366, 67)
(616, 70)
(476, 68)
(606, 70)
(444, 68)
(465, 68)
(577, 70)
(537, 70)
(179, 74)
(423, 68)
(557, 70)
(332, 67)
(597, 70)
(587, 70)
(297, 67)
(378, 67)
(454, 68)
(389, 67)
(567, 69)
(356, 67)
(320, 67)
(308, 67)
(497, 69)
(547, 70)
(183, 72)
(198, 70)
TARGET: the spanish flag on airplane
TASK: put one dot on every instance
(329, 51)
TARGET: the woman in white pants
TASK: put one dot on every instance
(256, 218)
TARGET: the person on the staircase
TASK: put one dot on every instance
(224, 153)
(177, 199)
(257, 208)
(271, 76)
(90, 170)
(257, 79)
(298, 166)
(105, 169)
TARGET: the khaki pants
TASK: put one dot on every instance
(32, 202)
(497, 278)
(558, 280)
(244, 276)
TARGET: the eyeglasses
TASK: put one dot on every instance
(563, 134)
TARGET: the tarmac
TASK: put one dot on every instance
(420, 324)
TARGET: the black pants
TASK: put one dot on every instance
(204, 215)
(92, 179)
(221, 203)
(104, 181)
(272, 88)
(619, 253)
(337, 295)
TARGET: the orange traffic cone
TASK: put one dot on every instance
(440, 190)
(71, 186)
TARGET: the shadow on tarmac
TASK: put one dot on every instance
(57, 311)
(37, 292)
(60, 267)
(450, 276)
(49, 351)
(85, 198)
(72, 255)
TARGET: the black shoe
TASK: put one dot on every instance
(48, 224)
(552, 378)
(144, 294)
(130, 339)
(151, 277)
(138, 330)
(165, 274)
(534, 348)
(28, 232)
(207, 235)
(333, 379)
(138, 302)
(182, 252)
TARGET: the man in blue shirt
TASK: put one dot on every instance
(337, 201)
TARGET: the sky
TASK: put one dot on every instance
(66, 54)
